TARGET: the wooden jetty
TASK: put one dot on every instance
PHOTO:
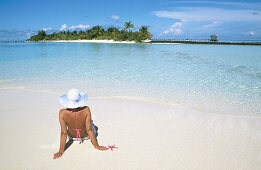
(201, 41)
(19, 41)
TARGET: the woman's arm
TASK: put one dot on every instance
(63, 136)
(90, 131)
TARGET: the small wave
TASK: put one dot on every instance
(238, 69)
(153, 100)
(28, 89)
(6, 80)
(43, 91)
(257, 75)
(11, 87)
(245, 71)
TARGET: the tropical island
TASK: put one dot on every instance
(97, 33)
(114, 34)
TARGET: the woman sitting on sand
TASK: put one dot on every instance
(77, 117)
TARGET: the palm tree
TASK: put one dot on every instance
(80, 32)
(128, 25)
(145, 32)
(74, 33)
(112, 29)
(67, 33)
(95, 31)
(144, 29)
(42, 33)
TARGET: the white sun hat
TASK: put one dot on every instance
(73, 99)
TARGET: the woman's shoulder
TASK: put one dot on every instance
(62, 110)
(86, 108)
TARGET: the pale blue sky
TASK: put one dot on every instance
(230, 20)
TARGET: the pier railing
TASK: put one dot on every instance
(20, 41)
(201, 41)
(168, 40)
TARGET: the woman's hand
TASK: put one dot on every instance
(57, 155)
(101, 148)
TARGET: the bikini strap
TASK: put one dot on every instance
(78, 133)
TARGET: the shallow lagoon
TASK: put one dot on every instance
(210, 78)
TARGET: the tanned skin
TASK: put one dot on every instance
(81, 119)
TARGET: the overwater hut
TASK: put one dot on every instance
(213, 38)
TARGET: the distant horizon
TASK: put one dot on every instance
(231, 20)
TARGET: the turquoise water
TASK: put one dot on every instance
(210, 78)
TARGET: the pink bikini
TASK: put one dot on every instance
(78, 133)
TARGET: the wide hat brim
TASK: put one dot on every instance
(67, 103)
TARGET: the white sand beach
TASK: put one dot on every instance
(106, 41)
(92, 41)
(149, 136)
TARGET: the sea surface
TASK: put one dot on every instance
(222, 79)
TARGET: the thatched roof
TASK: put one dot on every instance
(214, 36)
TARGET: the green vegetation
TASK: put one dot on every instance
(98, 33)
(128, 25)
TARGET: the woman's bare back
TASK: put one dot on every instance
(75, 119)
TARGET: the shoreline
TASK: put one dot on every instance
(132, 99)
(93, 41)
(108, 42)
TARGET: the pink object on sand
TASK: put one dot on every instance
(112, 147)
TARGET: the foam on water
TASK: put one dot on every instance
(210, 78)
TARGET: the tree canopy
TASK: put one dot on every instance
(128, 25)
(99, 33)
